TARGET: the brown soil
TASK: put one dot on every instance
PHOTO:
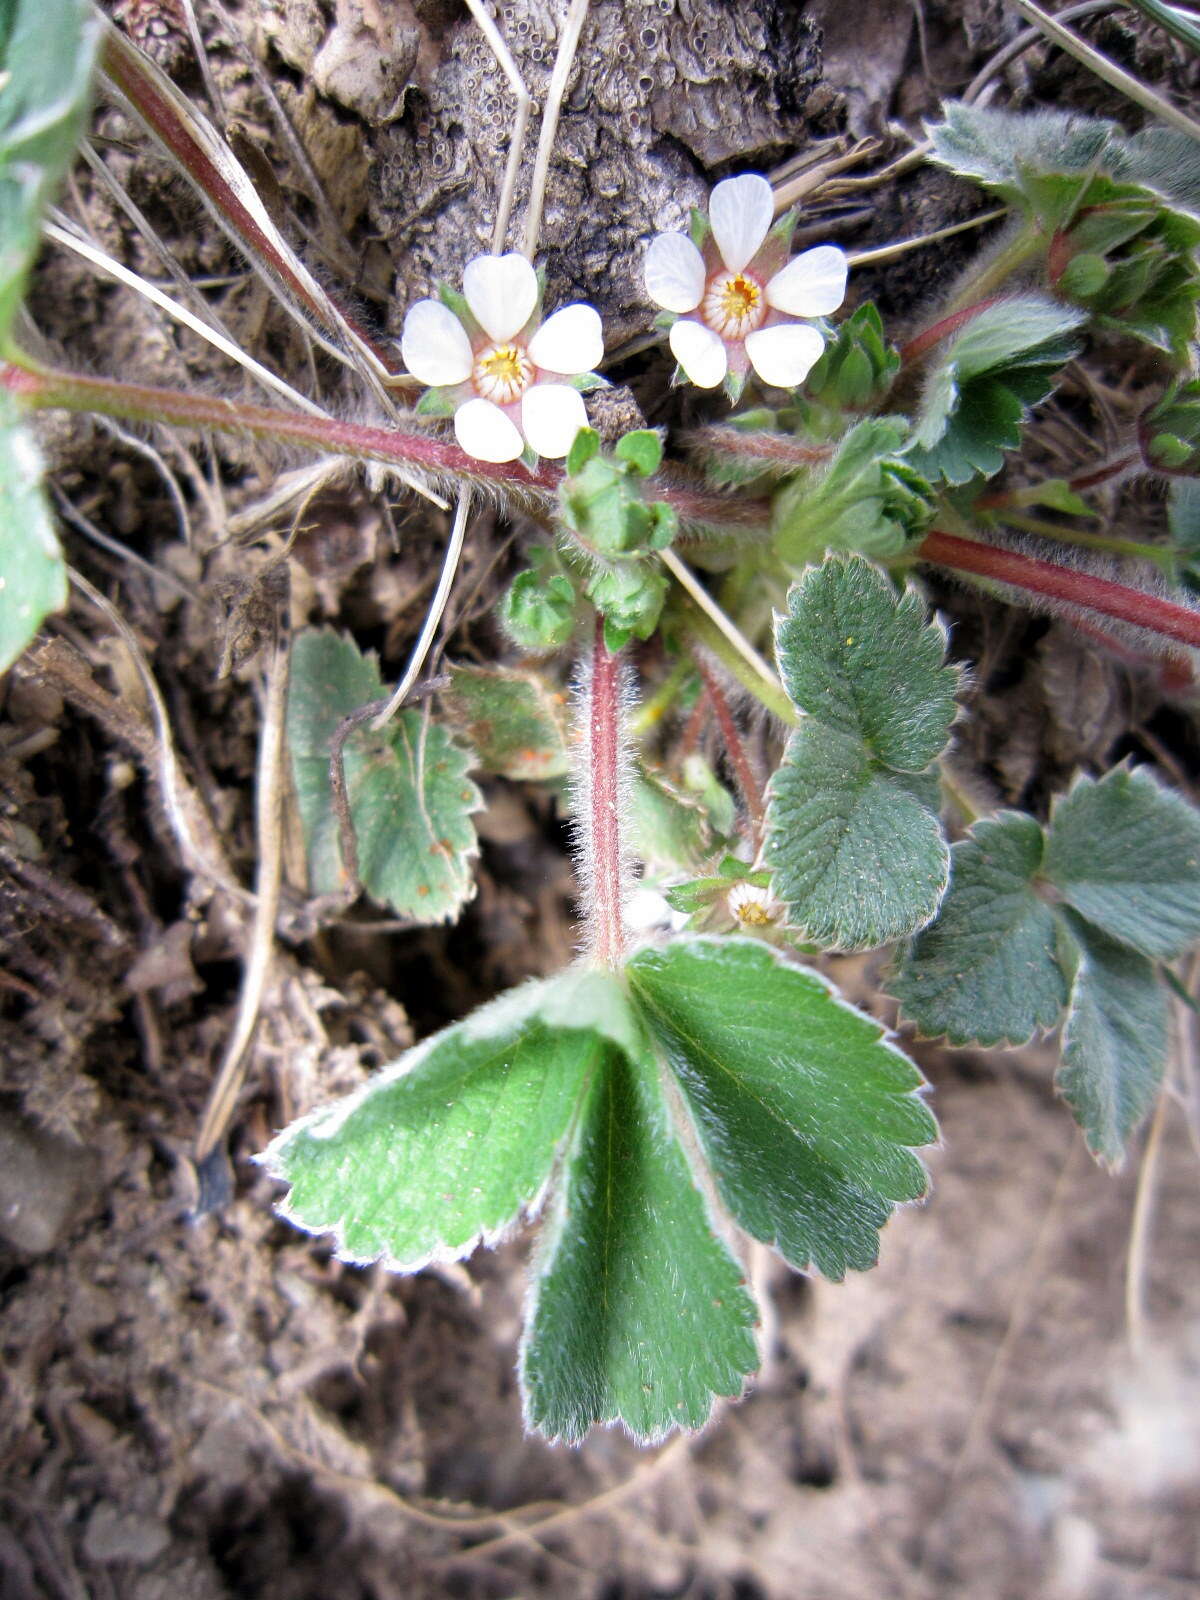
(205, 1405)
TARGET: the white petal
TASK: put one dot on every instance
(551, 415)
(740, 210)
(784, 355)
(502, 292)
(570, 341)
(486, 433)
(700, 352)
(811, 285)
(674, 272)
(434, 344)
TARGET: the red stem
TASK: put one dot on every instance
(923, 342)
(48, 389)
(606, 875)
(735, 749)
(1063, 583)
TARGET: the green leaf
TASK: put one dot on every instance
(854, 843)
(806, 1115)
(448, 1146)
(987, 970)
(861, 658)
(584, 446)
(979, 392)
(856, 857)
(866, 499)
(642, 449)
(409, 795)
(858, 366)
(640, 1313)
(538, 608)
(667, 825)
(33, 578)
(513, 721)
(436, 403)
(1000, 147)
(1114, 1042)
(1125, 853)
(47, 51)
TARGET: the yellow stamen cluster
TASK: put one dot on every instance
(502, 373)
(734, 305)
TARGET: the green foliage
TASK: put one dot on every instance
(538, 608)
(601, 497)
(868, 499)
(979, 391)
(33, 578)
(513, 722)
(1170, 431)
(586, 1093)
(668, 826)
(858, 366)
(1073, 917)
(854, 843)
(47, 50)
(409, 795)
(1119, 217)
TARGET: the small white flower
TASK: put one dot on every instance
(751, 906)
(737, 298)
(502, 367)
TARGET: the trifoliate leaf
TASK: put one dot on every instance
(854, 843)
(806, 1115)
(1114, 1040)
(538, 609)
(448, 1146)
(1000, 147)
(47, 49)
(409, 795)
(857, 858)
(861, 658)
(985, 379)
(866, 499)
(33, 578)
(640, 1313)
(987, 969)
(1125, 853)
(515, 724)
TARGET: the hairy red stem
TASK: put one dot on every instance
(923, 342)
(48, 389)
(734, 748)
(605, 913)
(1063, 583)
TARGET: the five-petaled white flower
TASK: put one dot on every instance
(736, 296)
(503, 371)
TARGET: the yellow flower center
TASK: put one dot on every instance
(734, 305)
(502, 373)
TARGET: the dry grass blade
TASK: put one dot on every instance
(563, 62)
(516, 146)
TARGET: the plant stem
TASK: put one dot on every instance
(923, 342)
(605, 876)
(1156, 553)
(736, 751)
(45, 389)
(1076, 588)
(1105, 472)
(768, 691)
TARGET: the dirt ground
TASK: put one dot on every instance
(199, 1404)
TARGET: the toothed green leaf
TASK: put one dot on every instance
(1125, 853)
(807, 1116)
(1114, 1045)
(409, 795)
(987, 970)
(513, 721)
(33, 577)
(640, 1313)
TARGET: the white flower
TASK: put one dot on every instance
(735, 297)
(751, 906)
(501, 365)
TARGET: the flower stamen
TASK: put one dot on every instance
(734, 305)
(502, 373)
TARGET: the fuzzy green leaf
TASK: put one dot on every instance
(806, 1115)
(447, 1147)
(47, 49)
(33, 578)
(987, 970)
(1114, 1041)
(855, 855)
(999, 147)
(861, 658)
(668, 825)
(513, 721)
(640, 1313)
(986, 378)
(1125, 853)
(410, 798)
